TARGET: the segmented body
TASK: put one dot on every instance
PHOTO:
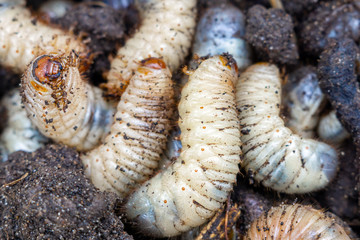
(62, 105)
(295, 222)
(22, 37)
(20, 133)
(331, 130)
(131, 152)
(191, 190)
(221, 29)
(278, 158)
(166, 31)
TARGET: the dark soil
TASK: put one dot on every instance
(330, 20)
(45, 195)
(271, 33)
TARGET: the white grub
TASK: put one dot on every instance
(62, 105)
(166, 31)
(331, 130)
(277, 157)
(303, 100)
(221, 29)
(191, 190)
(19, 133)
(22, 37)
(296, 221)
(131, 152)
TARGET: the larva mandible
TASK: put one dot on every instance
(331, 130)
(296, 222)
(62, 105)
(222, 29)
(278, 158)
(191, 190)
(303, 100)
(23, 38)
(166, 31)
(131, 152)
(19, 134)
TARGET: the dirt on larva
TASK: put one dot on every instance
(44, 195)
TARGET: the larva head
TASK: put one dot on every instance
(48, 75)
(228, 61)
(148, 65)
(46, 69)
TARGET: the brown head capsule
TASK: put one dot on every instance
(62, 105)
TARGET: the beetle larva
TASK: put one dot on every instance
(62, 105)
(331, 130)
(278, 158)
(222, 29)
(296, 222)
(131, 152)
(22, 37)
(303, 101)
(191, 190)
(19, 133)
(166, 31)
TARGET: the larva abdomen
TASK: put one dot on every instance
(189, 192)
(278, 158)
(166, 32)
(22, 37)
(131, 152)
(331, 130)
(62, 105)
(295, 222)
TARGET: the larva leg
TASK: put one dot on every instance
(303, 100)
(22, 37)
(190, 191)
(19, 134)
(278, 158)
(138, 136)
(296, 222)
(166, 31)
(62, 105)
(222, 29)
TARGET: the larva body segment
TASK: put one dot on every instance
(304, 101)
(131, 152)
(222, 29)
(62, 105)
(331, 130)
(296, 222)
(191, 190)
(166, 31)
(278, 158)
(19, 134)
(22, 37)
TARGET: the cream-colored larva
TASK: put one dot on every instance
(19, 133)
(303, 100)
(22, 37)
(131, 152)
(331, 130)
(277, 157)
(62, 105)
(166, 31)
(289, 222)
(222, 29)
(190, 191)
